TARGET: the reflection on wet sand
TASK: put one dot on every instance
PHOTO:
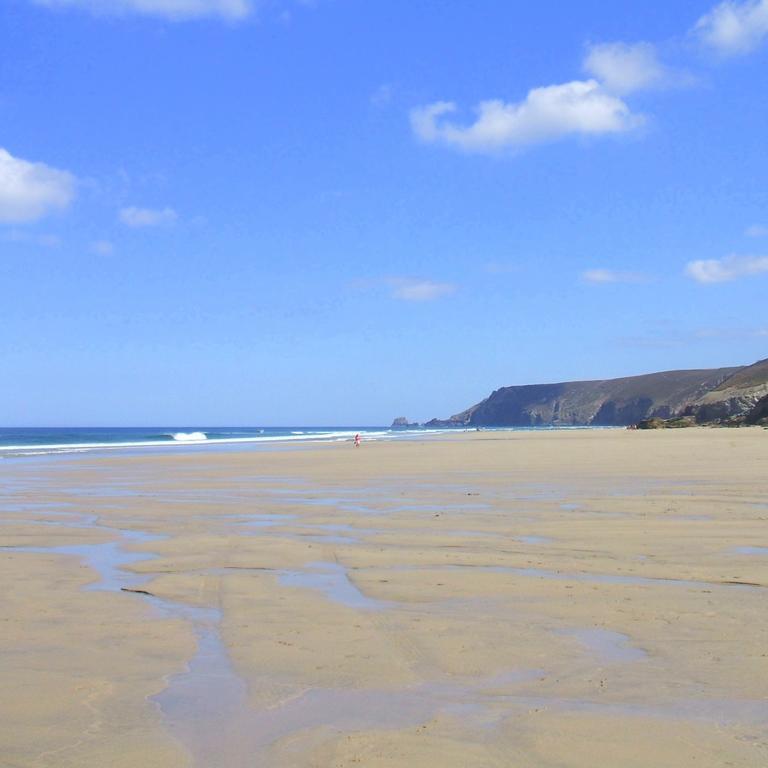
(437, 603)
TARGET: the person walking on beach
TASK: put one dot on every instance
(357, 440)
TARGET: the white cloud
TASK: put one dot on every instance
(147, 217)
(174, 10)
(29, 191)
(546, 114)
(726, 269)
(603, 276)
(409, 289)
(623, 67)
(101, 247)
(756, 230)
(734, 28)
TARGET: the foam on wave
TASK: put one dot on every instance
(184, 437)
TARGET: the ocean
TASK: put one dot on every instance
(31, 441)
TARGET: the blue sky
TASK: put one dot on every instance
(233, 212)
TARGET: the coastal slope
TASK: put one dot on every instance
(704, 395)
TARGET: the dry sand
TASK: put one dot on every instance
(572, 599)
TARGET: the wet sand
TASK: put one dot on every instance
(572, 599)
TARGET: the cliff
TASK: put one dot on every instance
(704, 396)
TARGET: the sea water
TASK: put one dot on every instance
(37, 441)
(15, 441)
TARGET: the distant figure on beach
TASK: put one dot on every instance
(357, 440)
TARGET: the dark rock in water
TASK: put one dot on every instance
(679, 398)
(402, 423)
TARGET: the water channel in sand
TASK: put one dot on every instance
(206, 706)
(200, 704)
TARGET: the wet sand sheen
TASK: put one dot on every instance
(492, 603)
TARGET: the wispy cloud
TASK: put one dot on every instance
(501, 267)
(102, 247)
(413, 289)
(33, 238)
(606, 276)
(734, 28)
(756, 230)
(726, 269)
(147, 217)
(29, 191)
(382, 96)
(735, 334)
(668, 339)
(652, 342)
(173, 10)
(581, 107)
(626, 67)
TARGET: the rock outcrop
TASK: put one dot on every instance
(736, 397)
(702, 396)
(676, 422)
(402, 423)
(759, 414)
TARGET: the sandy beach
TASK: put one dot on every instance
(562, 599)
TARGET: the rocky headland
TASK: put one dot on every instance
(727, 396)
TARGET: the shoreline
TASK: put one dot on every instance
(368, 434)
(341, 435)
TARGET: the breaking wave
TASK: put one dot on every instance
(185, 437)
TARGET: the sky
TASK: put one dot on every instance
(244, 212)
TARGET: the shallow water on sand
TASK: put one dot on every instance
(208, 697)
(607, 646)
(207, 706)
(105, 558)
(333, 581)
(231, 734)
